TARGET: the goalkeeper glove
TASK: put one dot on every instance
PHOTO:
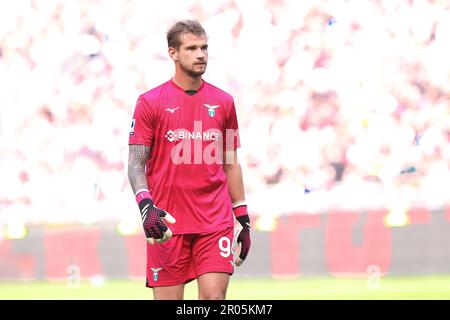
(243, 239)
(152, 219)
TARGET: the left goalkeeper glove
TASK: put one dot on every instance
(243, 238)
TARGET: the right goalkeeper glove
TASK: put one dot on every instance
(152, 219)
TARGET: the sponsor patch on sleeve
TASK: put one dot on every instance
(132, 127)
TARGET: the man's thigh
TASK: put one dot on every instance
(212, 263)
(168, 264)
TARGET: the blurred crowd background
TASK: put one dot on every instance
(341, 104)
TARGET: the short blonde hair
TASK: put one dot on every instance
(180, 28)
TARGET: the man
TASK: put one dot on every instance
(183, 170)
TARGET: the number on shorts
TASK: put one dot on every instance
(225, 249)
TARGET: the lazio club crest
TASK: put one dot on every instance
(155, 273)
(211, 109)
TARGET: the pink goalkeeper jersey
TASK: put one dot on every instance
(188, 136)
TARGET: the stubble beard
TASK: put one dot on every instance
(191, 72)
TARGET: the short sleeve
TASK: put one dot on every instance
(143, 124)
(232, 141)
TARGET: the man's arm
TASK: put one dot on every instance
(137, 158)
(154, 227)
(233, 172)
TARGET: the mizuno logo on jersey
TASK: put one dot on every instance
(172, 110)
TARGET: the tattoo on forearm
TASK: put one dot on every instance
(137, 158)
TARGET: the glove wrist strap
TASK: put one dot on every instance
(143, 195)
(241, 214)
(240, 210)
(144, 199)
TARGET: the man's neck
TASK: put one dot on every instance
(187, 83)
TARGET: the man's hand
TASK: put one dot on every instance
(152, 218)
(243, 238)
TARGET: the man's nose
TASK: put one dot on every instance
(200, 54)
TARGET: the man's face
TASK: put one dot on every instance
(192, 57)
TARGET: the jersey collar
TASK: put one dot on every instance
(182, 90)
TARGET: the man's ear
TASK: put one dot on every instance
(173, 54)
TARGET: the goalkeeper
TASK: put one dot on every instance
(188, 200)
